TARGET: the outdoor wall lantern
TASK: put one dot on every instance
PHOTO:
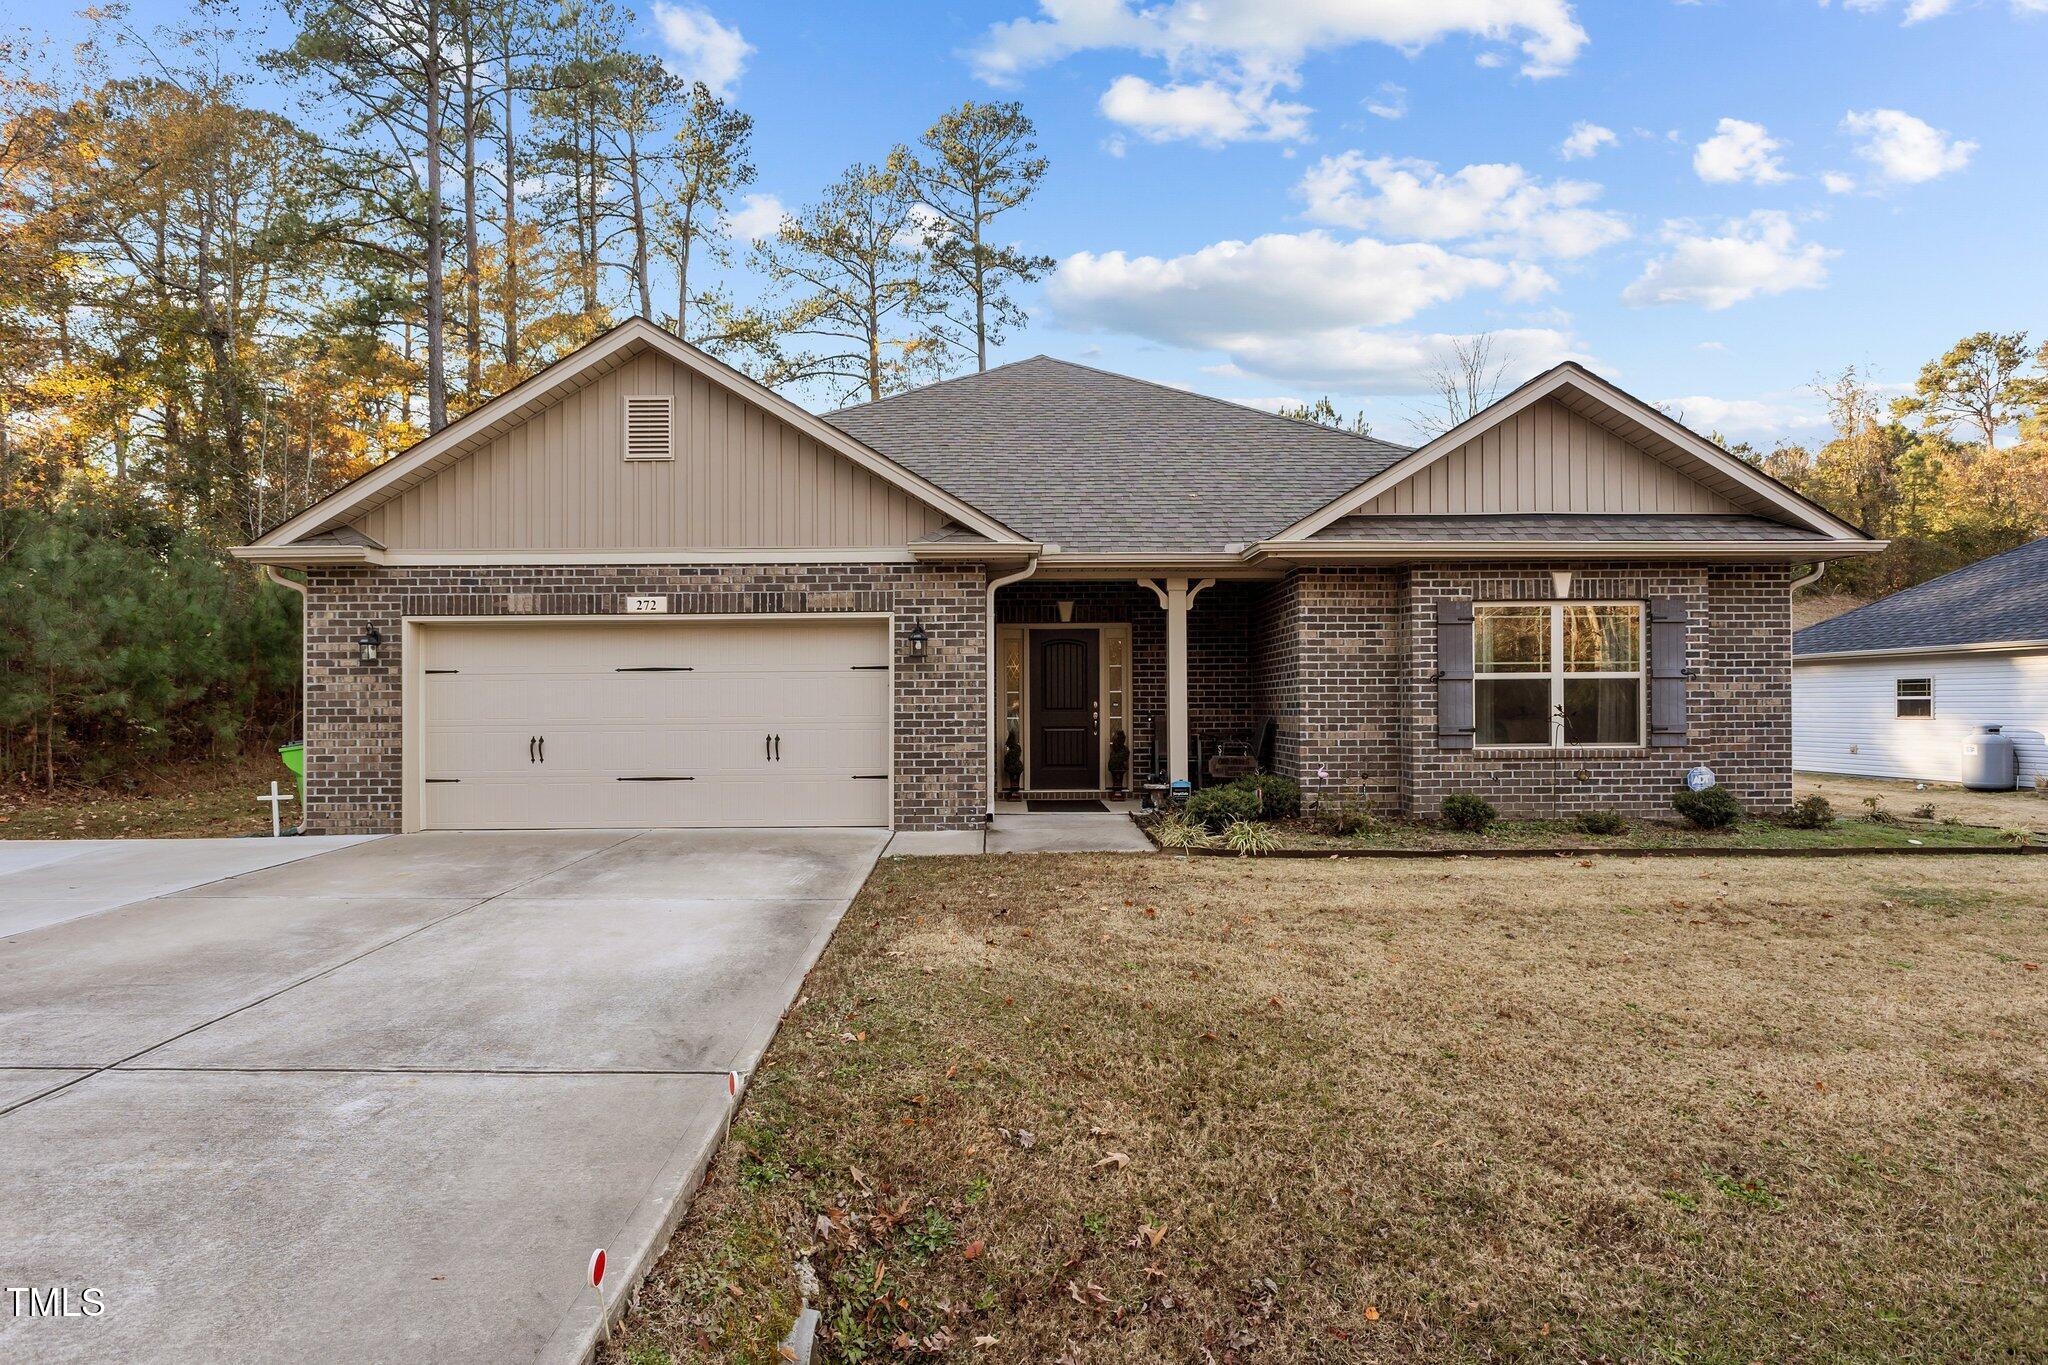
(915, 639)
(367, 644)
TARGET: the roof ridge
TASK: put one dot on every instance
(939, 384)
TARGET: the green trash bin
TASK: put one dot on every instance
(294, 756)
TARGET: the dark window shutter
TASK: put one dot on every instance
(1454, 675)
(1668, 672)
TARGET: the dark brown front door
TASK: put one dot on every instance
(1063, 710)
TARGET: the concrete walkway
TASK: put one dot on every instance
(382, 1103)
(1066, 832)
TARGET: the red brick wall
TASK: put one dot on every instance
(353, 736)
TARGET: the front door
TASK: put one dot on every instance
(1064, 697)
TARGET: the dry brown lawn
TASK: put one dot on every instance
(1998, 810)
(191, 801)
(1145, 1108)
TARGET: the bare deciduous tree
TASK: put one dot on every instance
(1466, 378)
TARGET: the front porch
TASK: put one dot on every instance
(1170, 664)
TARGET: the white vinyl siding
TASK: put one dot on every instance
(1845, 716)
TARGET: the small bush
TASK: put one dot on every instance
(1811, 812)
(1260, 797)
(1713, 808)
(1464, 811)
(2019, 838)
(1250, 838)
(1600, 822)
(1924, 811)
(1344, 816)
(1877, 813)
(1173, 832)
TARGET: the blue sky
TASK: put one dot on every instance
(1782, 186)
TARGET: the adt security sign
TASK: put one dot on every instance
(1700, 778)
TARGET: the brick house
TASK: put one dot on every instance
(642, 590)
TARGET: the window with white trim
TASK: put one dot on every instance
(1557, 675)
(1915, 698)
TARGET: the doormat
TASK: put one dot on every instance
(1048, 805)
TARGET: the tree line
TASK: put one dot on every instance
(231, 311)
(213, 313)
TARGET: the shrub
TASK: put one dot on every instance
(1464, 811)
(1250, 838)
(1260, 797)
(1600, 822)
(1812, 812)
(1173, 832)
(1877, 813)
(1924, 811)
(2019, 838)
(1713, 808)
(1343, 816)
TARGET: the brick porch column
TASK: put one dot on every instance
(1176, 596)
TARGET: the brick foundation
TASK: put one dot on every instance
(353, 710)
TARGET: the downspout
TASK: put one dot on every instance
(271, 574)
(1809, 580)
(994, 694)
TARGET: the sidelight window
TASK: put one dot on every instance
(1562, 674)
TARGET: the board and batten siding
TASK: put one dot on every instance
(1845, 715)
(1546, 458)
(741, 479)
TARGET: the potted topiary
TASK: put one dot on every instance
(1013, 764)
(1119, 763)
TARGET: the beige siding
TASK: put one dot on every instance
(1547, 458)
(741, 479)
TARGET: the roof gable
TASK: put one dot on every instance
(486, 429)
(1568, 442)
(1095, 462)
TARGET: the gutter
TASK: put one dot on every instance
(1394, 551)
(1921, 651)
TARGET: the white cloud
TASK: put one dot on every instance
(1738, 151)
(1836, 182)
(1207, 112)
(1354, 360)
(1585, 140)
(1392, 100)
(1760, 254)
(1918, 11)
(757, 217)
(701, 48)
(1496, 207)
(1905, 150)
(1299, 308)
(1744, 417)
(1268, 41)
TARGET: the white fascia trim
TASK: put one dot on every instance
(332, 509)
(1379, 551)
(292, 556)
(1921, 651)
(1593, 386)
(515, 558)
(975, 554)
(1140, 563)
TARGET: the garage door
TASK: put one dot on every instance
(654, 724)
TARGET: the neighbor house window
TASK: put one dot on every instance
(1557, 674)
(1915, 697)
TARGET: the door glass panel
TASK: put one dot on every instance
(1511, 639)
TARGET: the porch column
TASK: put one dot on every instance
(1176, 596)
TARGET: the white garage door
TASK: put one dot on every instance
(646, 724)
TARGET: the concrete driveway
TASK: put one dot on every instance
(382, 1102)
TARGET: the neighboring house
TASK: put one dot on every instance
(642, 590)
(1893, 689)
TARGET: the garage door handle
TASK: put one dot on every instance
(767, 748)
(543, 748)
(530, 742)
(778, 748)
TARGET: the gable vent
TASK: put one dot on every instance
(650, 427)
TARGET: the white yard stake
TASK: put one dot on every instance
(597, 1290)
(732, 1100)
(275, 801)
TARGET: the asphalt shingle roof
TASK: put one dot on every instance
(1565, 527)
(1092, 461)
(2001, 598)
